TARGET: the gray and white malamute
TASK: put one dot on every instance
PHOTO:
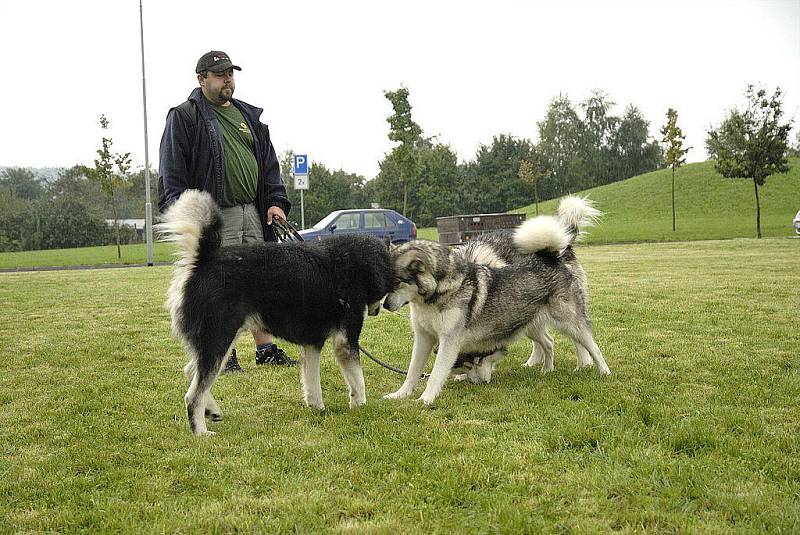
(497, 249)
(303, 292)
(472, 300)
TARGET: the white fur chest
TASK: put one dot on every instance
(430, 319)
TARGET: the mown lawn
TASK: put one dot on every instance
(87, 256)
(696, 431)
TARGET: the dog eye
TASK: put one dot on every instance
(398, 281)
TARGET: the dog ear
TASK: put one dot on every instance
(416, 266)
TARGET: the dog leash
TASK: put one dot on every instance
(285, 232)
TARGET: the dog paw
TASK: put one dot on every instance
(400, 394)
(354, 403)
(427, 399)
(460, 377)
(205, 433)
(313, 404)
(604, 371)
(548, 369)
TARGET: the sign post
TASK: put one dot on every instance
(300, 172)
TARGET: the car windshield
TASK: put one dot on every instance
(325, 221)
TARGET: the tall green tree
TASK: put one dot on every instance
(596, 132)
(674, 153)
(439, 176)
(559, 142)
(632, 151)
(110, 180)
(494, 184)
(22, 183)
(752, 143)
(532, 171)
(405, 131)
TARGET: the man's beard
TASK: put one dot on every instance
(225, 94)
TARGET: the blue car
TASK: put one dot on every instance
(377, 222)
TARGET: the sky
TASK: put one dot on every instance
(319, 69)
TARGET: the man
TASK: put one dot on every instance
(216, 143)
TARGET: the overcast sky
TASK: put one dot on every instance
(319, 68)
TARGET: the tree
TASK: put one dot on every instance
(752, 143)
(559, 142)
(597, 149)
(110, 181)
(632, 152)
(408, 133)
(70, 221)
(532, 171)
(794, 151)
(439, 175)
(595, 142)
(674, 152)
(493, 183)
(22, 183)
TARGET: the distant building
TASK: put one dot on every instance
(137, 225)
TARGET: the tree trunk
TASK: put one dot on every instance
(116, 223)
(673, 199)
(405, 197)
(758, 211)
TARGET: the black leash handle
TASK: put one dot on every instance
(286, 232)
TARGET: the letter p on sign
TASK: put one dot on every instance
(300, 164)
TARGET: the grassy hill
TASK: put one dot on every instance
(707, 206)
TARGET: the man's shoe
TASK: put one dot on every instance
(232, 365)
(273, 355)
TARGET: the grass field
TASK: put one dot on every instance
(87, 256)
(696, 431)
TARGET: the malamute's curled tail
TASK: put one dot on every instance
(193, 223)
(555, 234)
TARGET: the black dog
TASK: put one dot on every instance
(304, 292)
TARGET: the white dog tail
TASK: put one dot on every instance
(193, 224)
(554, 234)
(576, 213)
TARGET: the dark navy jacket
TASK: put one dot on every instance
(191, 156)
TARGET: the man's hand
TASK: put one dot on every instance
(275, 211)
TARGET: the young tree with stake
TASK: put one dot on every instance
(110, 181)
(674, 154)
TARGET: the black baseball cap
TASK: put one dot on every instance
(215, 61)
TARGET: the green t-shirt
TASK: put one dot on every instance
(241, 167)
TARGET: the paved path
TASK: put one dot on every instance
(65, 268)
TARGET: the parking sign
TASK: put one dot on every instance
(300, 164)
